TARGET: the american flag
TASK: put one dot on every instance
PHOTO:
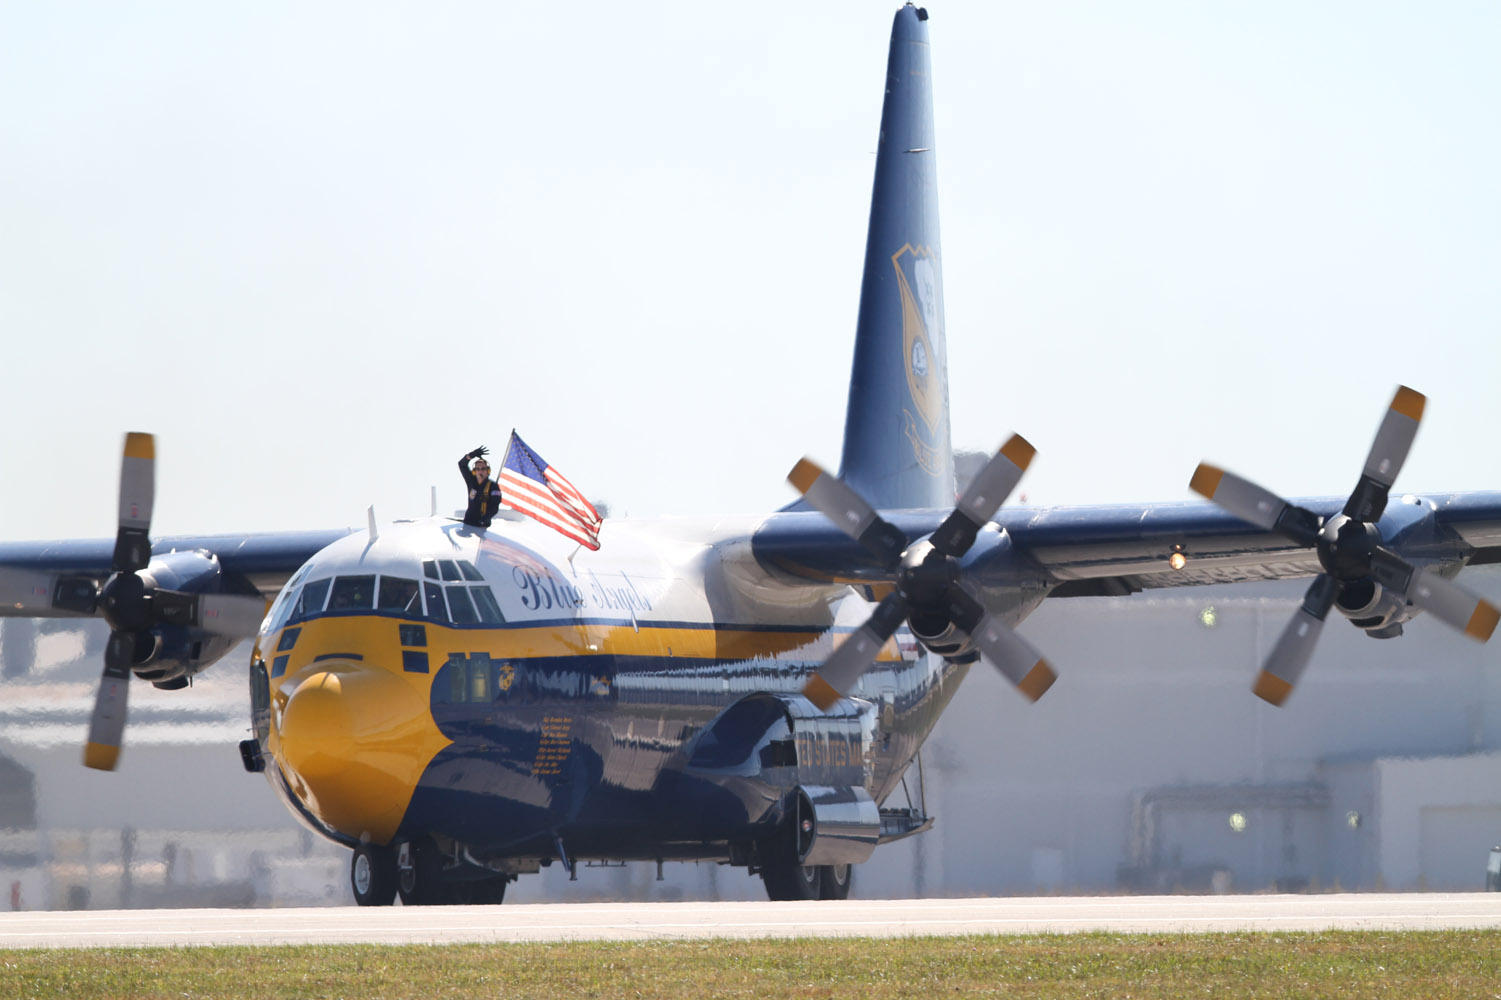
(532, 487)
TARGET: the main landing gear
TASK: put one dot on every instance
(415, 871)
(792, 881)
(787, 878)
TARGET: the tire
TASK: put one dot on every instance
(788, 881)
(420, 881)
(835, 881)
(372, 875)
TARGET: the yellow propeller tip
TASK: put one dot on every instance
(820, 693)
(1409, 402)
(803, 475)
(1271, 689)
(138, 445)
(1206, 480)
(1019, 450)
(1037, 681)
(1483, 621)
(101, 756)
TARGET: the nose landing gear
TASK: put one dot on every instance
(415, 870)
(372, 875)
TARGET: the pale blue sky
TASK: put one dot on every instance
(322, 251)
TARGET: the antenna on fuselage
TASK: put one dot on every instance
(434, 511)
(370, 514)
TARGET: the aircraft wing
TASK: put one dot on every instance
(1106, 550)
(30, 572)
(1099, 551)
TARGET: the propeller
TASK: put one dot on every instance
(1350, 549)
(133, 604)
(929, 592)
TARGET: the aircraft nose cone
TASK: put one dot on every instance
(356, 739)
(316, 735)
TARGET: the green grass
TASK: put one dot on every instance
(1432, 964)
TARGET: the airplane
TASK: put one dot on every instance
(460, 706)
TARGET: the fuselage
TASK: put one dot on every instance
(505, 689)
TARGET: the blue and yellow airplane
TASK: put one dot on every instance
(460, 706)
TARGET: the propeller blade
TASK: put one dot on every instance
(107, 727)
(1444, 599)
(137, 494)
(854, 656)
(1014, 657)
(1388, 452)
(983, 497)
(1294, 647)
(1255, 505)
(1017, 659)
(831, 496)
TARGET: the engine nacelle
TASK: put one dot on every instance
(944, 638)
(1375, 609)
(168, 654)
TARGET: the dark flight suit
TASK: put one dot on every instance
(484, 498)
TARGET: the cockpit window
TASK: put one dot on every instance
(436, 608)
(310, 601)
(484, 603)
(449, 569)
(399, 595)
(430, 569)
(352, 593)
(461, 606)
(468, 569)
(286, 601)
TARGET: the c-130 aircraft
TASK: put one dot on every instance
(461, 706)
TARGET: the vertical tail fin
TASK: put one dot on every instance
(896, 430)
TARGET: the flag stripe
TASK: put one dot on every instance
(534, 488)
(563, 528)
(571, 494)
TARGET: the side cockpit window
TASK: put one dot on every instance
(484, 603)
(352, 593)
(310, 601)
(286, 602)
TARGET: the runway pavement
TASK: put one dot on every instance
(641, 921)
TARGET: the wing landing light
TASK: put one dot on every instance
(929, 591)
(1349, 547)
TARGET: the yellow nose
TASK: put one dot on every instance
(357, 739)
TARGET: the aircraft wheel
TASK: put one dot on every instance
(372, 875)
(835, 881)
(419, 871)
(788, 880)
